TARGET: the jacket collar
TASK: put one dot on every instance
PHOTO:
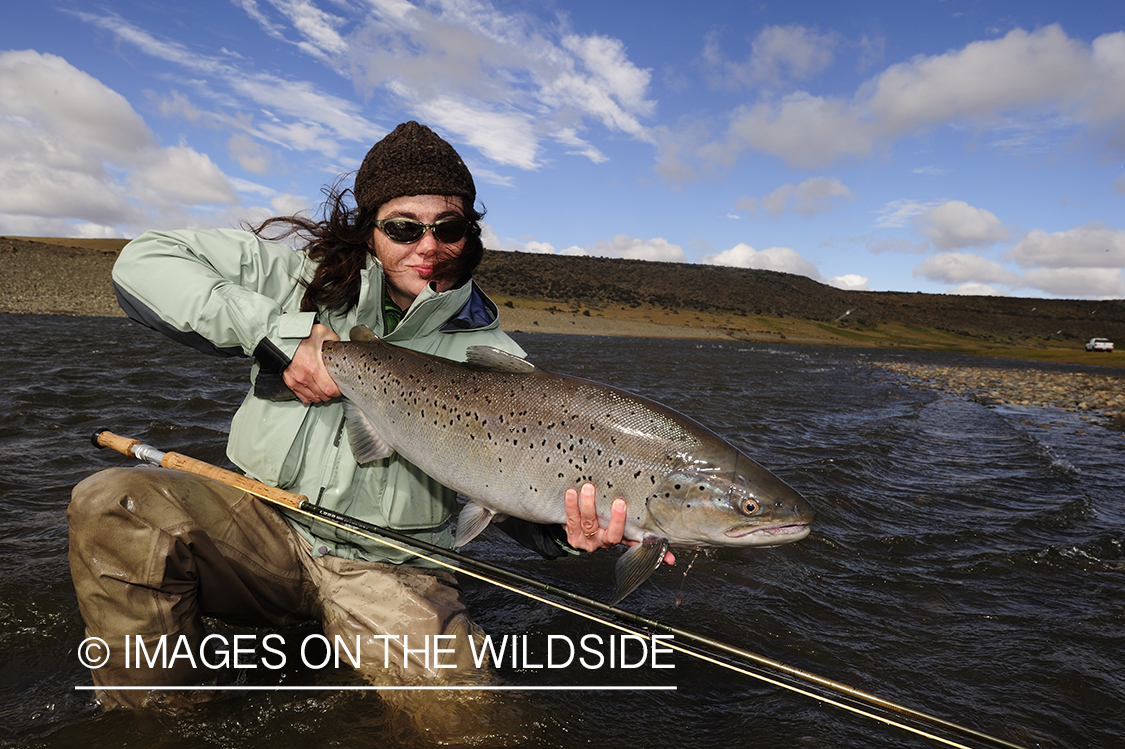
(461, 308)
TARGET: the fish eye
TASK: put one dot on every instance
(749, 506)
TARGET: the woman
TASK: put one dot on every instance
(154, 551)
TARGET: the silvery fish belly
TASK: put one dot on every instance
(512, 438)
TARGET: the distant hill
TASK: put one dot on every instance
(71, 276)
(595, 281)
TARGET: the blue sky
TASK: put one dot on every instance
(938, 146)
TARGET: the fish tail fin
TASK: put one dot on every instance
(636, 565)
(270, 386)
(272, 361)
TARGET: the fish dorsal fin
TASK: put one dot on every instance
(362, 333)
(366, 443)
(495, 360)
(636, 565)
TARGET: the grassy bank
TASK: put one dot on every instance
(552, 317)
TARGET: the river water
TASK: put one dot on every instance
(966, 561)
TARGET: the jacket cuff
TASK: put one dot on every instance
(295, 324)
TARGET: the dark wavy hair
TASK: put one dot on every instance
(338, 243)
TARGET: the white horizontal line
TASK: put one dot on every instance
(593, 688)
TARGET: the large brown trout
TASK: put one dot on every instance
(512, 438)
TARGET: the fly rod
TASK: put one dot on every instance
(760, 667)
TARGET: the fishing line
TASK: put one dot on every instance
(683, 579)
(762, 668)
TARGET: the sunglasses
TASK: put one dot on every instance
(408, 231)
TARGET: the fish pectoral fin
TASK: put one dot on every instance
(494, 360)
(636, 565)
(473, 519)
(362, 333)
(366, 443)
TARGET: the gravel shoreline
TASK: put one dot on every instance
(1098, 396)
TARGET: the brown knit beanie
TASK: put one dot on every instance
(412, 160)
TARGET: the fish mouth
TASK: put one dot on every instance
(781, 532)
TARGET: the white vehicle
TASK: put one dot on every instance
(1099, 344)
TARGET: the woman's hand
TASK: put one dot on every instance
(583, 528)
(306, 375)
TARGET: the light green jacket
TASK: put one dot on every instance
(223, 291)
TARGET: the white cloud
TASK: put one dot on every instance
(250, 154)
(955, 224)
(317, 29)
(177, 106)
(513, 82)
(807, 198)
(540, 248)
(1083, 262)
(961, 267)
(1119, 185)
(1053, 81)
(612, 88)
(803, 130)
(179, 175)
(493, 242)
(782, 259)
(70, 147)
(578, 146)
(508, 138)
(902, 212)
(287, 204)
(1089, 283)
(850, 282)
(778, 54)
(296, 113)
(252, 188)
(1091, 246)
(621, 246)
(635, 248)
(976, 289)
(984, 79)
